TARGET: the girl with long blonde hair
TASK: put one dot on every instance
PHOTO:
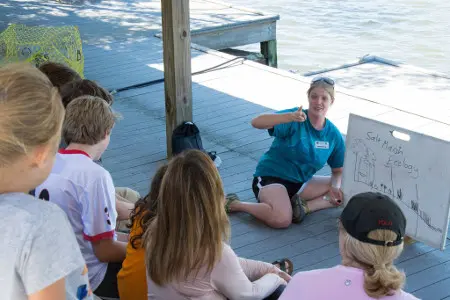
(371, 232)
(186, 251)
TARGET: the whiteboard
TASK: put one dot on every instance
(415, 173)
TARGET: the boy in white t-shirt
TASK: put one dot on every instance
(85, 191)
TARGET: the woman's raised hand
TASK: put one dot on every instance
(298, 115)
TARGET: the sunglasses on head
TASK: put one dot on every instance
(327, 80)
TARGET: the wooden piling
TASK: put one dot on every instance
(176, 38)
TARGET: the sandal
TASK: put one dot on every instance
(299, 209)
(285, 265)
(232, 197)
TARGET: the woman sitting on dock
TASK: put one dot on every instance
(371, 232)
(185, 245)
(285, 183)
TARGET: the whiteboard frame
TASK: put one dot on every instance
(396, 128)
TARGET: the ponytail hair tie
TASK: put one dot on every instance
(379, 266)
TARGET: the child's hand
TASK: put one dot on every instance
(285, 276)
(282, 274)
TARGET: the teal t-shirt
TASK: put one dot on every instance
(299, 150)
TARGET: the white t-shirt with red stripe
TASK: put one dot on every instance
(85, 191)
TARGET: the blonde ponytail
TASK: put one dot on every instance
(381, 277)
(383, 280)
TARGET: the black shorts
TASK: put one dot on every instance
(291, 187)
(277, 293)
(108, 287)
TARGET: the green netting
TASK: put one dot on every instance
(38, 44)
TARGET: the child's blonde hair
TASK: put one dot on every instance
(31, 111)
(191, 224)
(88, 120)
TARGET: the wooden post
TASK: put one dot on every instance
(176, 38)
(269, 51)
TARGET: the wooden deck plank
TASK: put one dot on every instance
(427, 277)
(428, 259)
(139, 52)
(316, 256)
(300, 246)
(268, 239)
(437, 290)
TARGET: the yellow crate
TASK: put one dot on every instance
(37, 44)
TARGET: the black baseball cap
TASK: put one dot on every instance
(369, 211)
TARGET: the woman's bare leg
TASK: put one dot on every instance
(313, 192)
(274, 209)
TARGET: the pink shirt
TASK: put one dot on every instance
(231, 278)
(336, 283)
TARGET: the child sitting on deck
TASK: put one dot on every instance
(185, 245)
(40, 258)
(132, 278)
(71, 85)
(371, 231)
(85, 190)
(82, 87)
(125, 197)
